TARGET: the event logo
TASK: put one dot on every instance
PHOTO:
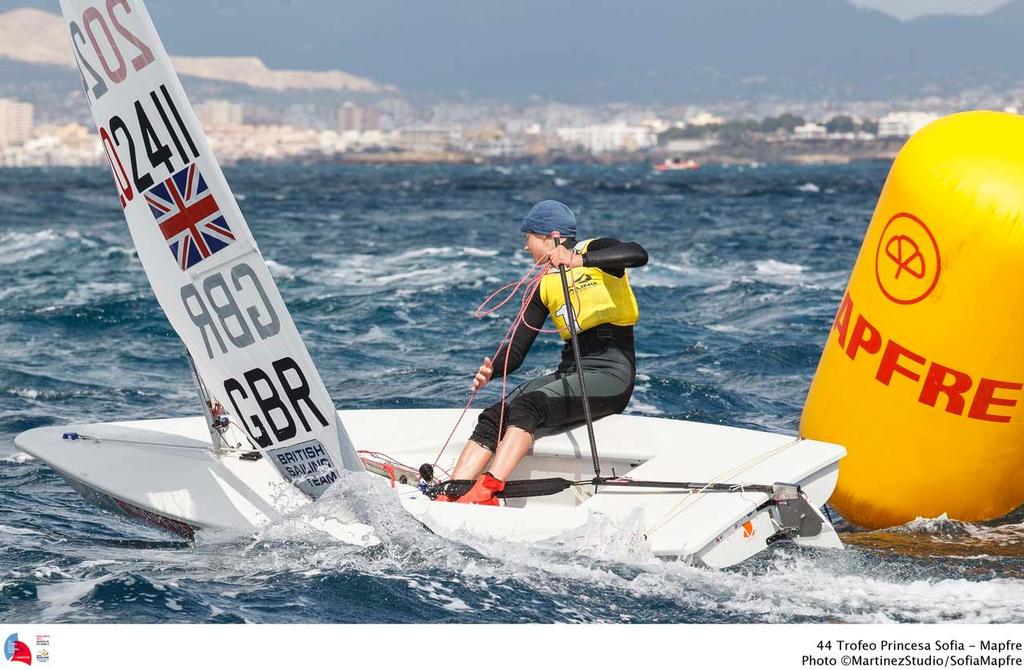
(17, 651)
(42, 655)
(907, 262)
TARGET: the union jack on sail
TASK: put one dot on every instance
(189, 217)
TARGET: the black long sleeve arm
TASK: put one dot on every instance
(614, 256)
(517, 348)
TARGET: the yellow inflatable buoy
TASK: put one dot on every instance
(921, 377)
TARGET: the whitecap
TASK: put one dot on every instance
(18, 458)
(829, 586)
(437, 592)
(939, 525)
(49, 571)
(424, 251)
(483, 253)
(280, 270)
(19, 246)
(90, 292)
(114, 250)
(944, 529)
(375, 334)
(27, 393)
(774, 269)
(60, 598)
(809, 187)
(637, 406)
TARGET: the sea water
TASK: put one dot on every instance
(382, 268)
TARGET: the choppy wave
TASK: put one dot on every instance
(17, 246)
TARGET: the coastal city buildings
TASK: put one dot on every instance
(394, 129)
(69, 144)
(15, 122)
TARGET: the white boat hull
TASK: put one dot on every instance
(164, 472)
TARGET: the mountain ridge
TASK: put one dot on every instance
(35, 36)
(602, 51)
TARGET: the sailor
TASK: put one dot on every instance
(606, 311)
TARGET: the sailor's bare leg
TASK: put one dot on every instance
(472, 461)
(511, 449)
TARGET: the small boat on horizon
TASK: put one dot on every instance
(670, 164)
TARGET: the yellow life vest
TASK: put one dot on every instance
(597, 298)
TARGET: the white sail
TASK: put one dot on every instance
(201, 259)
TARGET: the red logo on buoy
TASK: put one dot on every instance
(907, 260)
(904, 252)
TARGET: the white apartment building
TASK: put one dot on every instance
(501, 147)
(705, 119)
(810, 131)
(903, 124)
(429, 139)
(354, 117)
(607, 138)
(15, 122)
(220, 113)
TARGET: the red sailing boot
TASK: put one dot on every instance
(483, 491)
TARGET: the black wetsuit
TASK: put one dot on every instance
(553, 403)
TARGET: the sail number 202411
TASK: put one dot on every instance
(140, 132)
(147, 129)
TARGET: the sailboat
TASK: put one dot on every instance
(269, 440)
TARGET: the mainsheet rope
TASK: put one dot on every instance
(530, 283)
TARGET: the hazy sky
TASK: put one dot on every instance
(906, 9)
(604, 50)
(903, 9)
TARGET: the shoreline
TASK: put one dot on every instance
(745, 153)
